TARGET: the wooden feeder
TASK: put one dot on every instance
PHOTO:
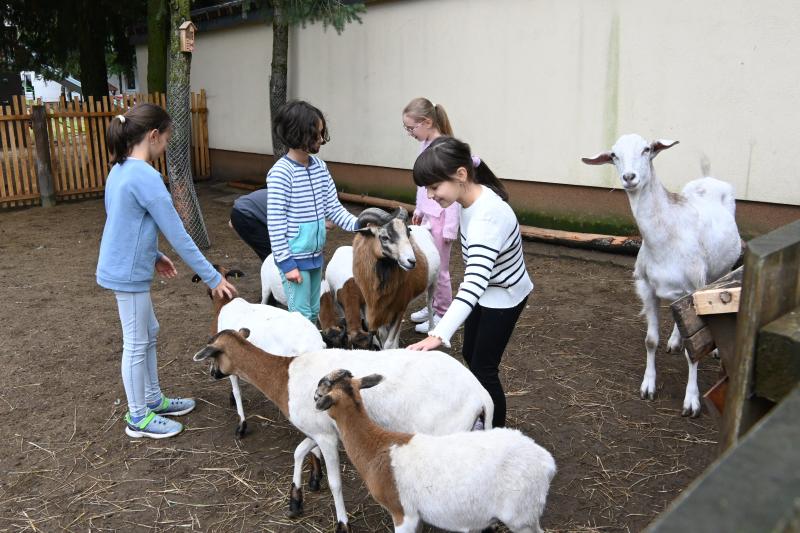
(186, 32)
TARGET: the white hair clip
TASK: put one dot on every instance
(121, 118)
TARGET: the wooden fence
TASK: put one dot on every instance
(76, 134)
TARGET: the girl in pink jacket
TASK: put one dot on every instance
(426, 121)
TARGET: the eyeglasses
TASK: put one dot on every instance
(410, 129)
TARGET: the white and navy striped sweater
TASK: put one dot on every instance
(299, 199)
(494, 273)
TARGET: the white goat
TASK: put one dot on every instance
(458, 482)
(425, 391)
(271, 282)
(688, 240)
(392, 264)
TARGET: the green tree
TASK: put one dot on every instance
(179, 162)
(157, 44)
(288, 13)
(59, 38)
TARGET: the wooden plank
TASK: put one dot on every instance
(66, 146)
(58, 124)
(27, 126)
(716, 301)
(685, 316)
(777, 367)
(770, 288)
(56, 166)
(44, 174)
(24, 178)
(6, 190)
(753, 488)
(73, 151)
(714, 398)
(88, 134)
(94, 151)
(26, 158)
(16, 188)
(193, 116)
(80, 147)
(102, 131)
(700, 344)
(204, 123)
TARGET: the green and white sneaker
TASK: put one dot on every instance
(152, 426)
(173, 406)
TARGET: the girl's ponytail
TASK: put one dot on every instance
(126, 131)
(485, 176)
(442, 159)
(441, 121)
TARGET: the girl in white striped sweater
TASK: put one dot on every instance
(496, 283)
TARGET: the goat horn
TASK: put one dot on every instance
(373, 215)
(401, 213)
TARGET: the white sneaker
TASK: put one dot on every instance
(420, 316)
(423, 327)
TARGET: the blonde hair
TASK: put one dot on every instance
(422, 108)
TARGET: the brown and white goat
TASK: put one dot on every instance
(392, 266)
(457, 482)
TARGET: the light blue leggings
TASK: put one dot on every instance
(139, 365)
(304, 297)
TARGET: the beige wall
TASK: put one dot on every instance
(535, 85)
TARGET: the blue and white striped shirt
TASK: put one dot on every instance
(299, 199)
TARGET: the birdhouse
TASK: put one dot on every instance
(186, 31)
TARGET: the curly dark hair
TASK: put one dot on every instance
(295, 125)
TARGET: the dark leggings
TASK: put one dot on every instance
(253, 232)
(486, 335)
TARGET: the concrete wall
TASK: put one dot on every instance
(535, 85)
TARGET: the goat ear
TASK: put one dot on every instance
(660, 144)
(205, 353)
(325, 402)
(244, 332)
(235, 274)
(195, 279)
(600, 159)
(370, 381)
(367, 232)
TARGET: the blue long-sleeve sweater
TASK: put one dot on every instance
(299, 199)
(138, 205)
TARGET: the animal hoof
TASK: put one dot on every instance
(690, 412)
(241, 429)
(341, 527)
(645, 395)
(295, 502)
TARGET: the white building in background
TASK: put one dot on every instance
(36, 86)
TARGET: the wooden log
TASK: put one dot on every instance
(44, 167)
(716, 301)
(714, 398)
(700, 344)
(770, 289)
(685, 316)
(777, 369)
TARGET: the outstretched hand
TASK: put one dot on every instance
(430, 343)
(165, 267)
(225, 288)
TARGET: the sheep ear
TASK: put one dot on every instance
(324, 403)
(370, 381)
(235, 274)
(368, 231)
(659, 145)
(195, 279)
(244, 332)
(600, 159)
(205, 353)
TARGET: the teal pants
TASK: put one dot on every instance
(304, 297)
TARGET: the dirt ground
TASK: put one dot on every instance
(572, 373)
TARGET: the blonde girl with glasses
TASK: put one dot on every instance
(425, 121)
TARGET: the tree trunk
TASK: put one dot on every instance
(277, 78)
(157, 45)
(92, 50)
(179, 162)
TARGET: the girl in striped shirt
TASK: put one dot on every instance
(496, 283)
(301, 195)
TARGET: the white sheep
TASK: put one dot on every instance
(688, 240)
(458, 482)
(424, 391)
(392, 264)
(271, 282)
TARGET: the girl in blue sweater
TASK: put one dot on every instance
(138, 205)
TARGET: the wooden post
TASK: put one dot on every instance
(44, 169)
(770, 289)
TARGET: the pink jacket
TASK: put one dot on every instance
(427, 207)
